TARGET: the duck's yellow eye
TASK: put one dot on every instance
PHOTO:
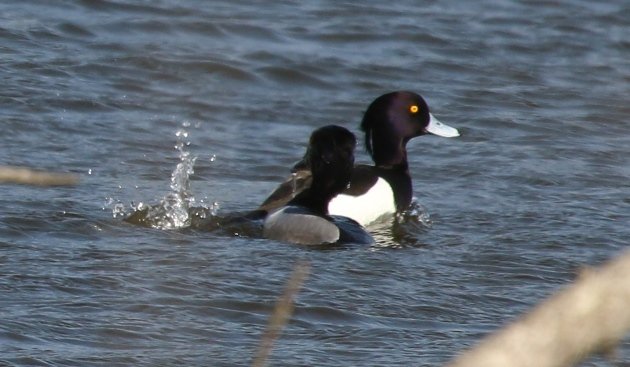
(413, 109)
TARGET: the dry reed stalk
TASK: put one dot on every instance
(587, 317)
(26, 176)
(281, 313)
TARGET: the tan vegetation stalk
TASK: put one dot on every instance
(26, 176)
(587, 317)
(281, 313)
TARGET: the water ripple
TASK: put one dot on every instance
(534, 189)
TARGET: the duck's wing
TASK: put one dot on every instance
(299, 225)
(295, 184)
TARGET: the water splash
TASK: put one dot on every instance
(404, 229)
(177, 208)
(416, 214)
(116, 206)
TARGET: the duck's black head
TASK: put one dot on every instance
(330, 156)
(392, 120)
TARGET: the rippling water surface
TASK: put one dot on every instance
(122, 92)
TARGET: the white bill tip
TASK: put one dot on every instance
(437, 128)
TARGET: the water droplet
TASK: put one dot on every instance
(89, 171)
(119, 210)
(214, 208)
(213, 158)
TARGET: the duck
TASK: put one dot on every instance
(305, 219)
(381, 190)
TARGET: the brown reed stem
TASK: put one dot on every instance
(587, 317)
(281, 313)
(26, 176)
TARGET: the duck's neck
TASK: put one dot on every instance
(313, 199)
(390, 153)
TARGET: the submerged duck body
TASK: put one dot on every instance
(385, 188)
(304, 219)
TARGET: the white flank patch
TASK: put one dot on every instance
(365, 209)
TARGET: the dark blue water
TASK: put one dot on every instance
(537, 186)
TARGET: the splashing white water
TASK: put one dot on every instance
(416, 213)
(176, 209)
